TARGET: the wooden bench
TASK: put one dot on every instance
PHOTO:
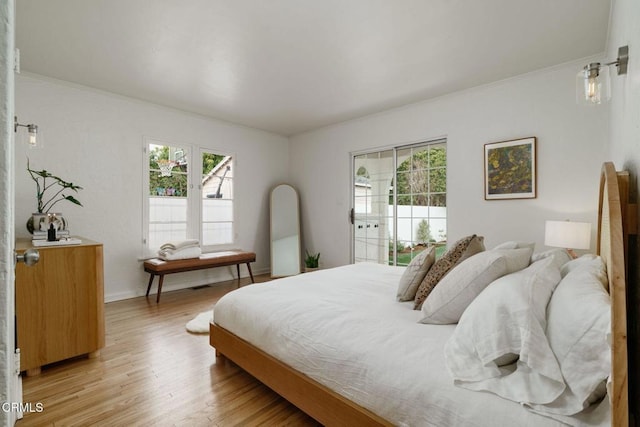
(159, 267)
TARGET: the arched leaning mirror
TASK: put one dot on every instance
(285, 231)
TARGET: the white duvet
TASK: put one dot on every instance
(344, 328)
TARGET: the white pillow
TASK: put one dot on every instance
(512, 244)
(560, 256)
(414, 273)
(455, 291)
(507, 318)
(589, 262)
(579, 320)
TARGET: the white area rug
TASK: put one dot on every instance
(200, 324)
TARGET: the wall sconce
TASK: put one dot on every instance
(567, 234)
(592, 82)
(34, 139)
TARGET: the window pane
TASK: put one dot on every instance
(167, 194)
(167, 209)
(438, 180)
(217, 210)
(168, 171)
(438, 156)
(217, 199)
(216, 233)
(438, 200)
(163, 233)
(362, 203)
(420, 159)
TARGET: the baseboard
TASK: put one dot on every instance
(168, 287)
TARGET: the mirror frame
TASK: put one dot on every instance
(298, 255)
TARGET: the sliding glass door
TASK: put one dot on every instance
(399, 202)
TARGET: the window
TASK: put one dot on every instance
(217, 199)
(175, 208)
(399, 204)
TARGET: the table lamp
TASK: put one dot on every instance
(567, 234)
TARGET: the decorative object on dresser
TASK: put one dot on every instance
(59, 304)
(510, 169)
(49, 191)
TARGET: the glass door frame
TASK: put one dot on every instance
(352, 167)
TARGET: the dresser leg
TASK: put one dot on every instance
(94, 354)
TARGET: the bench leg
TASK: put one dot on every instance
(150, 283)
(238, 268)
(159, 288)
(250, 273)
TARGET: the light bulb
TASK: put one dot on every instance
(33, 135)
(592, 84)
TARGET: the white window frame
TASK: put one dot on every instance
(194, 229)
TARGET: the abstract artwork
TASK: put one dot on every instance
(510, 169)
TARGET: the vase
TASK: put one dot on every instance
(40, 222)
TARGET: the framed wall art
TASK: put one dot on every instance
(510, 169)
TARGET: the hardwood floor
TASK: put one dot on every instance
(153, 372)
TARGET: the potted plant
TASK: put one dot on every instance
(50, 190)
(311, 261)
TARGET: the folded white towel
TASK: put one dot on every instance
(186, 253)
(180, 244)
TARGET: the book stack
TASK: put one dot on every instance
(42, 235)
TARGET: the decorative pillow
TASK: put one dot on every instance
(461, 250)
(415, 272)
(515, 245)
(465, 281)
(579, 319)
(508, 319)
(560, 256)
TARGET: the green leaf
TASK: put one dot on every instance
(72, 200)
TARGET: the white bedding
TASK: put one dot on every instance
(344, 328)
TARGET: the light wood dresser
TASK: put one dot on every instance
(59, 304)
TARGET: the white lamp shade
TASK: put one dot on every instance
(567, 234)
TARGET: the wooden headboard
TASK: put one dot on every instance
(614, 225)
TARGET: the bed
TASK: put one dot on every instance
(291, 335)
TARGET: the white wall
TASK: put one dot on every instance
(95, 139)
(624, 136)
(571, 148)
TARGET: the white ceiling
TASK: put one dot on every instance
(289, 66)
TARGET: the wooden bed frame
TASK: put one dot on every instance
(616, 220)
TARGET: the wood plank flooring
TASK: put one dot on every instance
(153, 372)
